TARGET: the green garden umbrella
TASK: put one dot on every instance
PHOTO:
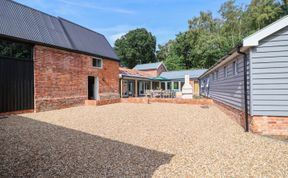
(159, 78)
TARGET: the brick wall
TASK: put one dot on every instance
(263, 125)
(168, 100)
(155, 72)
(268, 125)
(161, 69)
(61, 78)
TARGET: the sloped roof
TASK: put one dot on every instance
(25, 23)
(149, 66)
(134, 73)
(250, 41)
(181, 74)
(87, 40)
(253, 40)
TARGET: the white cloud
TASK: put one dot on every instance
(98, 7)
(114, 37)
(115, 32)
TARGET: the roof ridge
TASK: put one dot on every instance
(67, 35)
(185, 70)
(61, 18)
(149, 63)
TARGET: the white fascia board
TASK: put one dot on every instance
(162, 63)
(253, 40)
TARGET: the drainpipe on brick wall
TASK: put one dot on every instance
(245, 88)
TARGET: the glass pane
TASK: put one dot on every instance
(168, 85)
(163, 85)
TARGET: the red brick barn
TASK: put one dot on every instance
(50, 63)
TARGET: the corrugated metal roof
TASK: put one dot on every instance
(22, 22)
(83, 39)
(149, 66)
(134, 73)
(181, 74)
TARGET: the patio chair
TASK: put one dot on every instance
(166, 94)
(149, 94)
(157, 94)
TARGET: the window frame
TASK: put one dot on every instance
(101, 62)
(225, 72)
(235, 67)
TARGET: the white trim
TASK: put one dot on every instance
(97, 58)
(162, 63)
(252, 50)
(96, 89)
(253, 40)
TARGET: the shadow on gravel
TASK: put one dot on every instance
(29, 148)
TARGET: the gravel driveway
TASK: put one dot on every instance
(136, 140)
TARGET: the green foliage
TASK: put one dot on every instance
(15, 50)
(208, 38)
(136, 47)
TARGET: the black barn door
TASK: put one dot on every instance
(16, 77)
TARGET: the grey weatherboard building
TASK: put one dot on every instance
(267, 73)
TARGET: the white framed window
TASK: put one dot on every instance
(97, 62)
(235, 68)
(225, 72)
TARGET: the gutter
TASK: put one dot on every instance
(218, 62)
(245, 87)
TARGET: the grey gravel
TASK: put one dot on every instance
(136, 140)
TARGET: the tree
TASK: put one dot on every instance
(232, 22)
(163, 51)
(136, 47)
(208, 38)
(284, 7)
(261, 13)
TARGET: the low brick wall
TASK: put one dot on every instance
(168, 100)
(268, 125)
(102, 102)
(58, 103)
(235, 114)
(263, 125)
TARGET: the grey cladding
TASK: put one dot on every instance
(270, 75)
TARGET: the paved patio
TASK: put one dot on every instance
(136, 140)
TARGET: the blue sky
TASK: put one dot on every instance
(113, 18)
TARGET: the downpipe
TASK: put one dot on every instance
(245, 88)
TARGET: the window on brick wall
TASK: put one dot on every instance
(97, 62)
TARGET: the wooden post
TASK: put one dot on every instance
(159, 85)
(151, 88)
(121, 88)
(136, 88)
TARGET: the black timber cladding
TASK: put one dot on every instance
(16, 83)
(22, 22)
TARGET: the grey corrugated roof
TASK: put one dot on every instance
(149, 66)
(83, 39)
(22, 22)
(181, 74)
